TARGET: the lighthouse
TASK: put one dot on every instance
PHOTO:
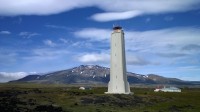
(118, 83)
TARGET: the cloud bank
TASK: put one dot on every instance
(153, 47)
(114, 10)
(5, 77)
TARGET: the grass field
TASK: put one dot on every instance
(64, 98)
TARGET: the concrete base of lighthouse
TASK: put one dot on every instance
(125, 90)
(129, 93)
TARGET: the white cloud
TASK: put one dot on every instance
(94, 57)
(5, 77)
(38, 7)
(5, 32)
(93, 34)
(127, 8)
(28, 34)
(110, 16)
(49, 43)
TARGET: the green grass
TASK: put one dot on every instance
(67, 98)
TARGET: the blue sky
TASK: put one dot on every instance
(162, 37)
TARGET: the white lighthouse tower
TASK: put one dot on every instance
(118, 80)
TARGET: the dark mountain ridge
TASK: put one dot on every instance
(94, 74)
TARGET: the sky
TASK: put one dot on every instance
(38, 36)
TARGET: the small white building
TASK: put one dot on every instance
(157, 90)
(85, 88)
(82, 88)
(168, 89)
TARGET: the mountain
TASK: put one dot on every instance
(94, 74)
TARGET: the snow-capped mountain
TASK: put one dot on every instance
(94, 74)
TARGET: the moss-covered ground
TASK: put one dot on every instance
(66, 98)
